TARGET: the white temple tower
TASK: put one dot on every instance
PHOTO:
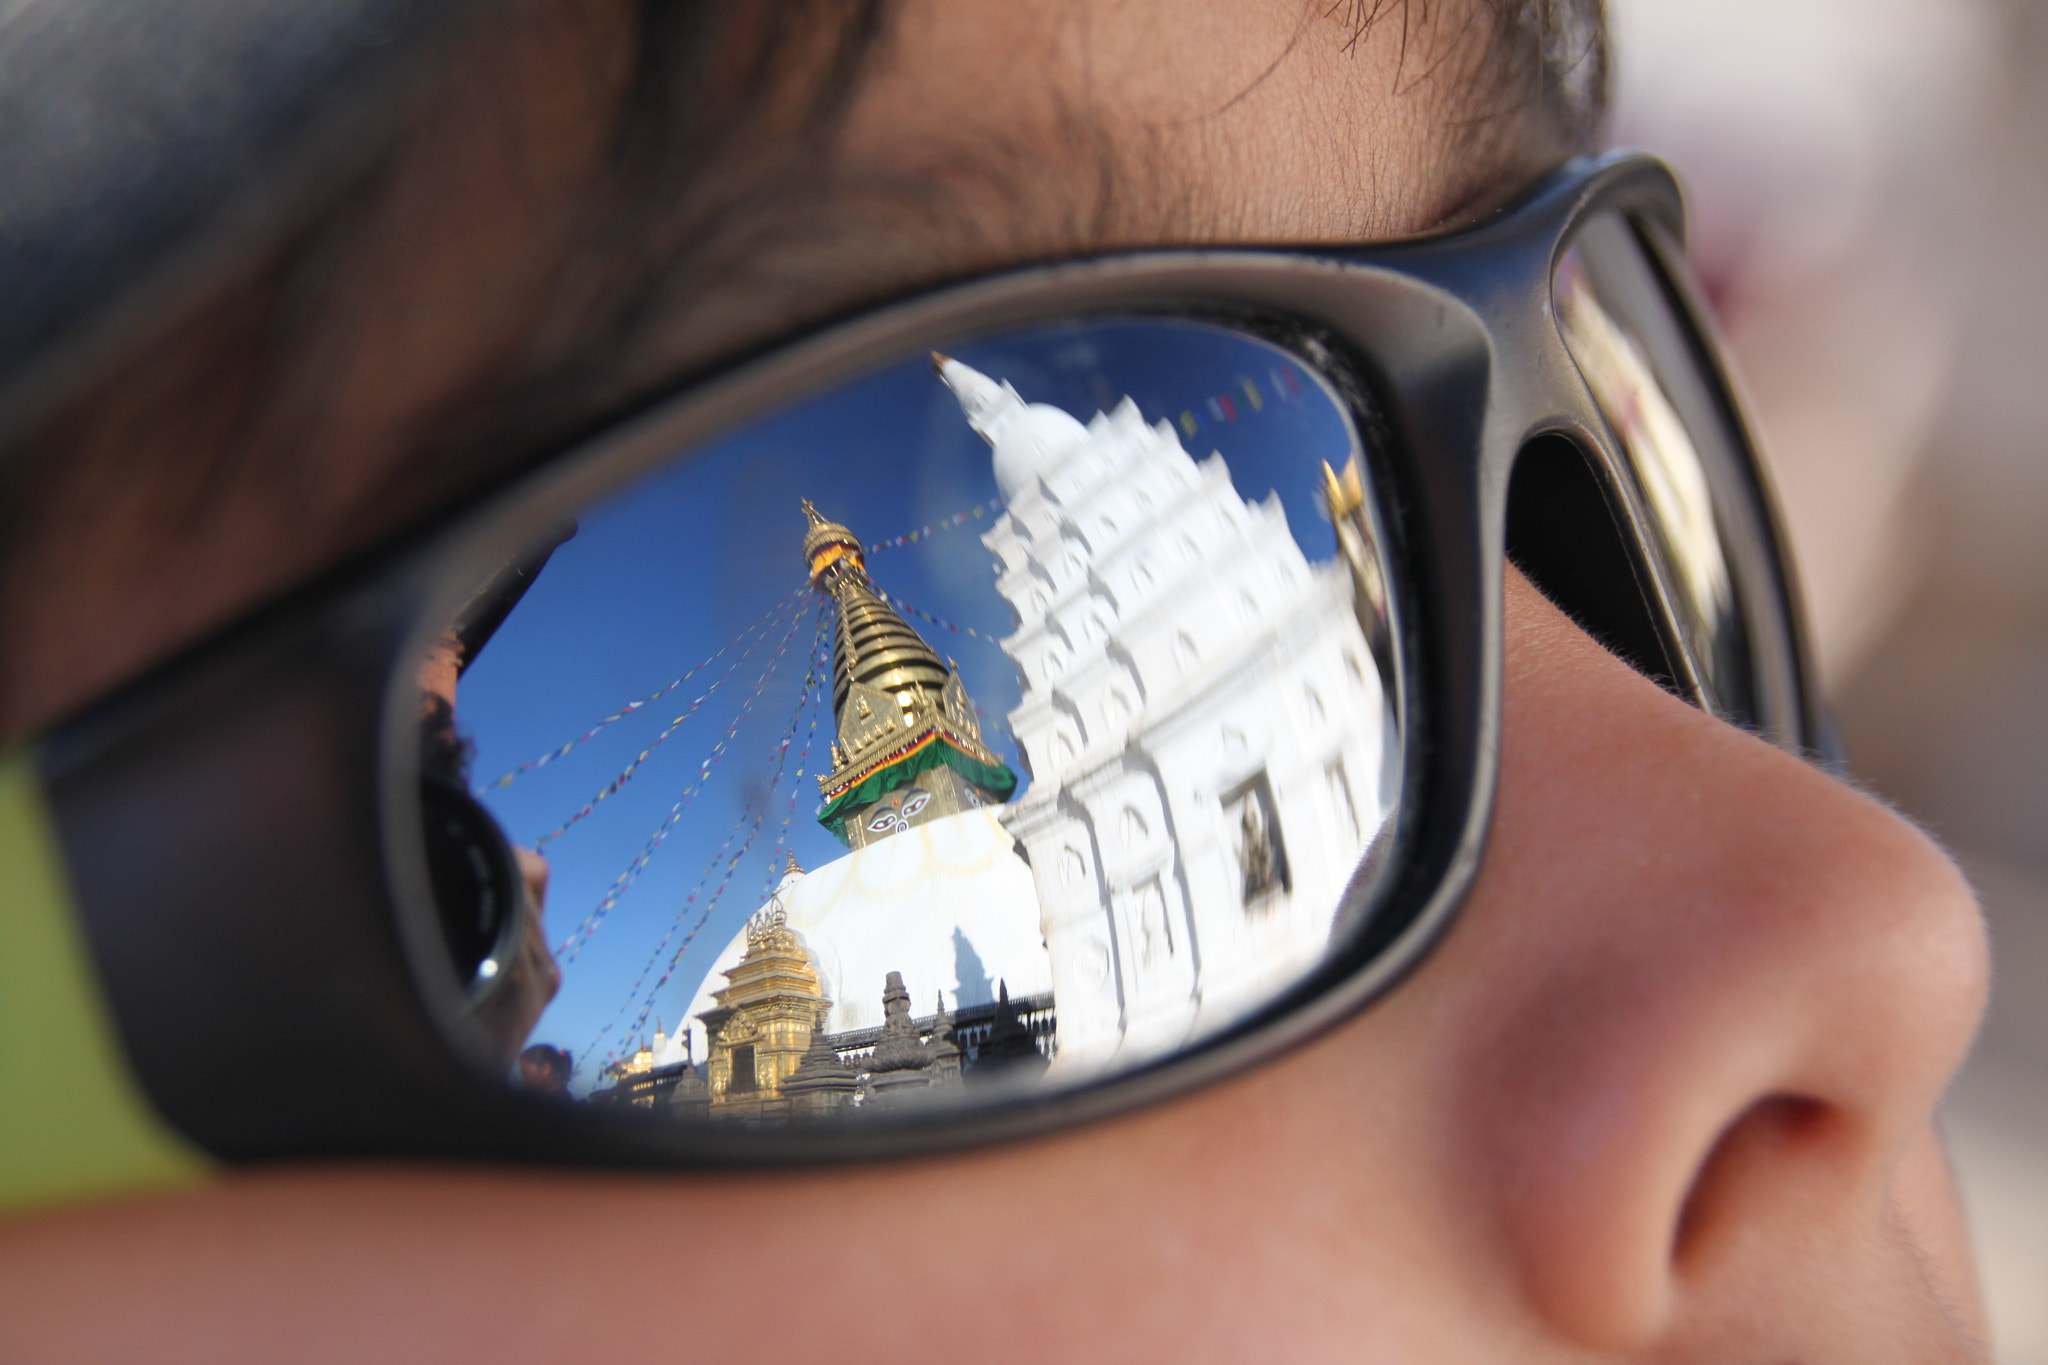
(1201, 717)
(932, 889)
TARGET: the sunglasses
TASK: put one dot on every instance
(1025, 701)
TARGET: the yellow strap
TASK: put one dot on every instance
(73, 1123)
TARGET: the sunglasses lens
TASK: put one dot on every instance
(999, 721)
(1710, 567)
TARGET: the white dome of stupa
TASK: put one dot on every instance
(1029, 439)
(948, 905)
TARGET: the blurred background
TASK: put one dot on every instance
(1869, 187)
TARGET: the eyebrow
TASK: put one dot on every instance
(723, 244)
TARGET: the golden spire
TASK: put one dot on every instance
(1343, 493)
(903, 716)
(873, 645)
(1344, 496)
(828, 543)
(876, 647)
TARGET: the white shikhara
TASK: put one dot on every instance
(1208, 744)
(1180, 660)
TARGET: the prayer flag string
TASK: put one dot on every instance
(753, 827)
(988, 723)
(958, 519)
(573, 945)
(902, 605)
(630, 707)
(821, 661)
(1282, 385)
(803, 761)
(626, 775)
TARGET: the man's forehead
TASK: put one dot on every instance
(982, 135)
(563, 232)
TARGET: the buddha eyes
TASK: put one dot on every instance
(898, 817)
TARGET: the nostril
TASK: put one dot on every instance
(1777, 1135)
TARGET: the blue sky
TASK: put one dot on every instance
(659, 577)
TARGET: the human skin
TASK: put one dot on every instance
(1664, 1093)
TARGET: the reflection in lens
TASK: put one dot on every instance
(1619, 327)
(481, 895)
(1067, 778)
(1642, 417)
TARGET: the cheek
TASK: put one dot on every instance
(1675, 927)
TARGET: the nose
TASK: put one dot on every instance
(1721, 995)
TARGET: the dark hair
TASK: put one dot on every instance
(1553, 55)
(554, 1059)
(719, 151)
(755, 92)
(445, 752)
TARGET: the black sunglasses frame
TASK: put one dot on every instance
(242, 828)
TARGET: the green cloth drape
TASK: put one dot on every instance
(879, 783)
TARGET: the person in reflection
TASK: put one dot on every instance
(545, 1070)
(1664, 1093)
(506, 1016)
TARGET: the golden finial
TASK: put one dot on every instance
(1343, 493)
(826, 544)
